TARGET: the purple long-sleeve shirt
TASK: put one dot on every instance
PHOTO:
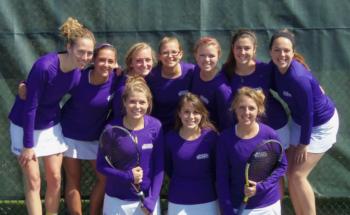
(216, 96)
(85, 113)
(231, 158)
(117, 103)
(191, 167)
(150, 143)
(167, 92)
(46, 85)
(262, 78)
(309, 106)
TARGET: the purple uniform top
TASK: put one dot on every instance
(191, 167)
(84, 115)
(150, 143)
(167, 92)
(216, 95)
(46, 85)
(117, 103)
(232, 156)
(262, 78)
(309, 106)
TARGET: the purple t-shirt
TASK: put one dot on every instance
(232, 156)
(216, 96)
(301, 91)
(262, 78)
(150, 144)
(85, 113)
(191, 167)
(167, 92)
(46, 85)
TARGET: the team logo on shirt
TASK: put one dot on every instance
(287, 94)
(202, 156)
(204, 99)
(182, 92)
(147, 146)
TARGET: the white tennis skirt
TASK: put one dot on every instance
(274, 209)
(116, 206)
(48, 141)
(197, 209)
(79, 149)
(322, 137)
(284, 135)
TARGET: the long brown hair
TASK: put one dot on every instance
(199, 107)
(230, 65)
(285, 33)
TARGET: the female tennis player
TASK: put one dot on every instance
(120, 196)
(315, 120)
(190, 160)
(84, 116)
(169, 81)
(211, 86)
(235, 146)
(35, 128)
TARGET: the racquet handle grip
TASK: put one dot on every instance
(141, 195)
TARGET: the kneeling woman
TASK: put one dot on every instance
(234, 149)
(190, 160)
(120, 197)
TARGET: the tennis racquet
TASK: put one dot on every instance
(121, 152)
(261, 164)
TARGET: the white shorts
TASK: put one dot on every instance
(322, 137)
(48, 141)
(274, 209)
(115, 206)
(284, 135)
(78, 149)
(197, 209)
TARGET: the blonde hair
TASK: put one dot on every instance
(72, 30)
(256, 95)
(207, 41)
(137, 47)
(137, 84)
(198, 106)
(166, 40)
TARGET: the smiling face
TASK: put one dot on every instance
(282, 53)
(244, 50)
(246, 110)
(81, 52)
(136, 105)
(170, 54)
(189, 116)
(207, 57)
(142, 62)
(104, 62)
